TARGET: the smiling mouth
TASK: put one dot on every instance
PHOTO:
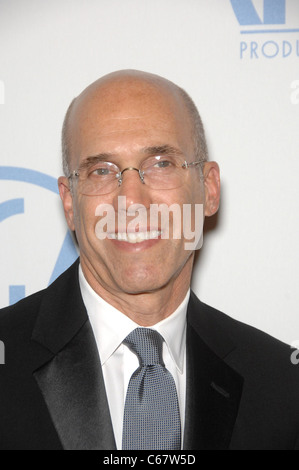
(135, 237)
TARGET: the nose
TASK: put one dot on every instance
(133, 187)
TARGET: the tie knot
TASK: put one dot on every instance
(147, 345)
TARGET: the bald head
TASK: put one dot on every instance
(118, 90)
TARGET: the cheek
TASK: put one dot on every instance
(185, 197)
(84, 215)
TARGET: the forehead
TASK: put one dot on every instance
(127, 114)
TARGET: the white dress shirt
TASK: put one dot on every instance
(110, 328)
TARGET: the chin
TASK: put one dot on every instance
(138, 282)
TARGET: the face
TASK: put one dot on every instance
(125, 120)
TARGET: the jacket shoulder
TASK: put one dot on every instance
(269, 405)
(23, 313)
(207, 318)
(20, 315)
(252, 352)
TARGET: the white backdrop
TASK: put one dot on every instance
(239, 60)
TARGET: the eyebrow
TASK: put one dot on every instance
(148, 151)
(92, 160)
(162, 150)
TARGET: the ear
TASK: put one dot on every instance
(67, 201)
(212, 188)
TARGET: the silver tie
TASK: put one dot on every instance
(151, 415)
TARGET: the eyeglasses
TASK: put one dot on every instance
(158, 172)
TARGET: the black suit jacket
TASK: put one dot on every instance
(242, 389)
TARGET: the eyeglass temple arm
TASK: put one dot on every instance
(197, 162)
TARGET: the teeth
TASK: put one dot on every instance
(135, 237)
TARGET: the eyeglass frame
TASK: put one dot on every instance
(185, 165)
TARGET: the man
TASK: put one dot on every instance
(73, 376)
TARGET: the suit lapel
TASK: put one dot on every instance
(71, 382)
(213, 388)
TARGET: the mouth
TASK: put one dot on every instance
(135, 237)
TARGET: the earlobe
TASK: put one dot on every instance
(212, 188)
(67, 201)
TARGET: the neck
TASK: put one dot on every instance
(144, 308)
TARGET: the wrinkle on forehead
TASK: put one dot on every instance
(122, 118)
(132, 109)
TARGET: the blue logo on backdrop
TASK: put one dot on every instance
(13, 207)
(274, 12)
(274, 15)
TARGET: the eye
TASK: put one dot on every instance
(102, 169)
(163, 164)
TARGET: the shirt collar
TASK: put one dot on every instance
(110, 326)
(173, 330)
